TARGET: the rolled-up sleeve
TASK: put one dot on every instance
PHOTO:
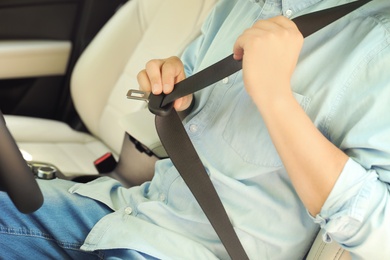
(356, 213)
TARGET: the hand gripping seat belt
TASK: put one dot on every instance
(179, 147)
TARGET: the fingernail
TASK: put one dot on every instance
(155, 88)
(166, 88)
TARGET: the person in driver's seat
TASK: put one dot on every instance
(297, 140)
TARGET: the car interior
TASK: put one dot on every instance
(65, 69)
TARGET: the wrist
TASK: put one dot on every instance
(275, 101)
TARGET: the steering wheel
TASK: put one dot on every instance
(16, 178)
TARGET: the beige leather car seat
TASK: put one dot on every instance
(321, 250)
(139, 31)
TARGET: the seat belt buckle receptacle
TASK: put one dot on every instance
(105, 163)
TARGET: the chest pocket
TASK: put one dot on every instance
(245, 132)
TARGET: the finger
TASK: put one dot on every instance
(251, 37)
(286, 26)
(183, 103)
(238, 49)
(143, 81)
(283, 22)
(172, 72)
(276, 28)
(178, 104)
(242, 43)
(153, 71)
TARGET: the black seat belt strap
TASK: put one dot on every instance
(179, 147)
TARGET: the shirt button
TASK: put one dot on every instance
(225, 80)
(162, 197)
(128, 210)
(193, 128)
(289, 12)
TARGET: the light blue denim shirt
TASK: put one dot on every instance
(342, 81)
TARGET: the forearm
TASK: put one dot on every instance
(312, 162)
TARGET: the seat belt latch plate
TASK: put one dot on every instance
(154, 101)
(138, 95)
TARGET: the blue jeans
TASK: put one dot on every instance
(57, 229)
